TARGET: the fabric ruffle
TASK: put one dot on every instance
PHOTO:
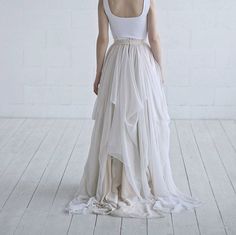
(128, 171)
(141, 208)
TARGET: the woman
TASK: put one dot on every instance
(128, 171)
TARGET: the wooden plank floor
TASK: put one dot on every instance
(42, 160)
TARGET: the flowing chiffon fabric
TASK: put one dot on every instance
(128, 171)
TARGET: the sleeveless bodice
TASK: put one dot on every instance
(128, 27)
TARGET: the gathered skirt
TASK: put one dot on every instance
(128, 171)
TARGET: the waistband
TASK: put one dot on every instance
(128, 41)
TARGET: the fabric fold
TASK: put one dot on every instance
(128, 170)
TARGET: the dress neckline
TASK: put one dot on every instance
(121, 17)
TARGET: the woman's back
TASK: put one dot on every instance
(128, 171)
(127, 19)
(126, 8)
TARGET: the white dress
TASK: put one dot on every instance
(128, 172)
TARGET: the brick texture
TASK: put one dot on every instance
(47, 57)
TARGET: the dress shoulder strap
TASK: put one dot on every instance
(148, 3)
(106, 7)
(146, 7)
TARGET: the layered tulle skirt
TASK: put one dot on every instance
(128, 172)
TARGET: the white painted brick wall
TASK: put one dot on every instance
(47, 57)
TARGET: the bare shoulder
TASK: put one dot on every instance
(152, 10)
(100, 4)
(152, 5)
(101, 9)
(102, 21)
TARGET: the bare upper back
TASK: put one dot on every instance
(126, 8)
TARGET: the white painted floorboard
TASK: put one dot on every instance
(42, 160)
